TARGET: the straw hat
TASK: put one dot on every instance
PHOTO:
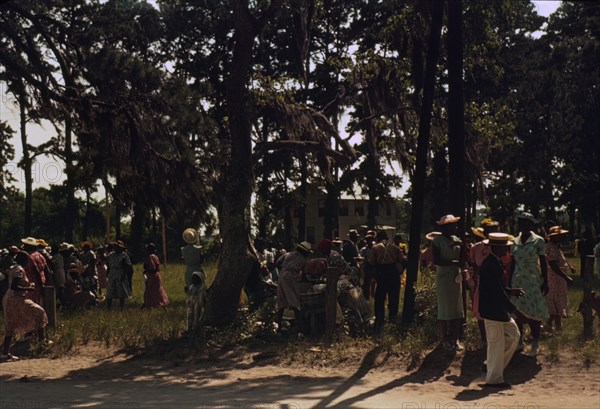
(190, 235)
(556, 231)
(498, 239)
(29, 241)
(305, 246)
(447, 219)
(432, 235)
(42, 243)
(64, 246)
(87, 243)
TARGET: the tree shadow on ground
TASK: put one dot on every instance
(521, 369)
(432, 368)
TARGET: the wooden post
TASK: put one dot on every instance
(49, 304)
(586, 306)
(331, 301)
(164, 240)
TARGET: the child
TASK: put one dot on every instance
(196, 300)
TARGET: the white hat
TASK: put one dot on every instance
(30, 240)
(447, 219)
(498, 239)
(305, 246)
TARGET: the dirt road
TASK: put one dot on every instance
(440, 382)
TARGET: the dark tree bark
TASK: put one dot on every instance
(456, 114)
(27, 162)
(330, 221)
(418, 182)
(303, 198)
(71, 212)
(138, 227)
(236, 258)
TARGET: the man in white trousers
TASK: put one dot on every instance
(495, 308)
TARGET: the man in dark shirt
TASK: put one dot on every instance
(495, 308)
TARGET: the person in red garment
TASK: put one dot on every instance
(154, 293)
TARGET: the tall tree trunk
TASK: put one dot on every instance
(418, 182)
(138, 226)
(236, 259)
(330, 221)
(86, 219)
(118, 211)
(71, 211)
(287, 217)
(372, 204)
(303, 198)
(456, 114)
(27, 162)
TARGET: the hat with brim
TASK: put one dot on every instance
(432, 235)
(305, 246)
(120, 244)
(448, 219)
(42, 243)
(478, 231)
(352, 232)
(87, 243)
(556, 231)
(64, 246)
(29, 241)
(190, 235)
(498, 239)
(528, 217)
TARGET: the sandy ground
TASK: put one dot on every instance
(92, 380)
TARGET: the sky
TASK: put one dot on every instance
(47, 170)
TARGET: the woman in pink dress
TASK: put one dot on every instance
(558, 278)
(154, 293)
(21, 315)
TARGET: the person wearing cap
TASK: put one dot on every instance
(478, 252)
(35, 269)
(192, 255)
(558, 278)
(292, 266)
(386, 257)
(449, 255)
(89, 277)
(495, 307)
(154, 293)
(119, 266)
(529, 271)
(350, 248)
(21, 315)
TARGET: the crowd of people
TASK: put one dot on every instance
(78, 276)
(523, 277)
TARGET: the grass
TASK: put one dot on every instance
(159, 331)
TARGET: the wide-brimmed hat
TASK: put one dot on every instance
(42, 243)
(120, 244)
(498, 239)
(29, 241)
(478, 231)
(64, 246)
(353, 231)
(527, 216)
(87, 243)
(190, 235)
(447, 219)
(556, 231)
(305, 246)
(432, 235)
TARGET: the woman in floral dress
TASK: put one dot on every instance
(529, 272)
(21, 315)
